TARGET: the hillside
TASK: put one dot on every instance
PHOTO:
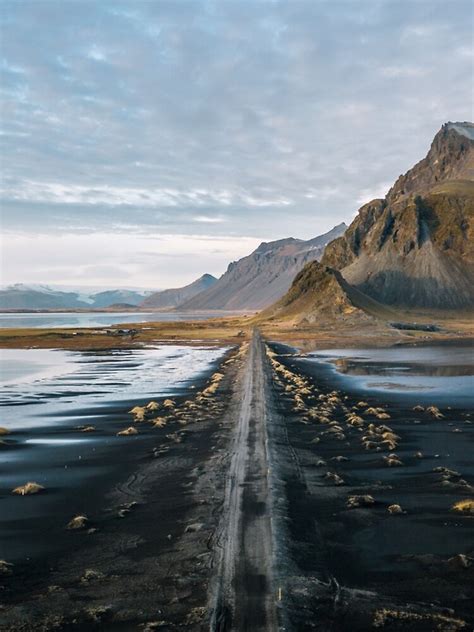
(42, 297)
(169, 299)
(261, 278)
(413, 249)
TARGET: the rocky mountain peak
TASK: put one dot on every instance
(451, 157)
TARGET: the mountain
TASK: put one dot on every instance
(256, 281)
(173, 297)
(21, 296)
(113, 297)
(412, 249)
(38, 297)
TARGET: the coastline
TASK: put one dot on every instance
(154, 567)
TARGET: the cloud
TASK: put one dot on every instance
(267, 119)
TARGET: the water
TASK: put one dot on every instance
(45, 395)
(95, 319)
(443, 374)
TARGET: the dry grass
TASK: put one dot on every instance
(395, 509)
(389, 618)
(213, 331)
(28, 489)
(464, 506)
(78, 522)
(127, 432)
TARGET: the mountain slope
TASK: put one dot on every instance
(23, 297)
(20, 296)
(262, 277)
(413, 249)
(113, 297)
(173, 297)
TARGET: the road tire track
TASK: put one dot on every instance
(244, 596)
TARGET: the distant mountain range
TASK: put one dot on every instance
(262, 277)
(412, 249)
(25, 297)
(169, 299)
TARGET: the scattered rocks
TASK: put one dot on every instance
(395, 509)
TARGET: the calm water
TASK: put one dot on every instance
(444, 374)
(96, 319)
(45, 395)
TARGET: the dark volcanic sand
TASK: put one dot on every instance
(148, 564)
(334, 568)
(400, 558)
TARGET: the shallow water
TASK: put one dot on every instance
(95, 319)
(45, 395)
(443, 374)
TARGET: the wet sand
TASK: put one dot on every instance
(323, 566)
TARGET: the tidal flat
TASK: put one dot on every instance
(320, 488)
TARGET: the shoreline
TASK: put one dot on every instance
(357, 568)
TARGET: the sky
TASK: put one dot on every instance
(145, 143)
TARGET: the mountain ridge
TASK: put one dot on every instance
(412, 249)
(262, 277)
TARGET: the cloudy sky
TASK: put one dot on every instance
(144, 143)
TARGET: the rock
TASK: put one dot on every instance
(5, 568)
(86, 428)
(169, 403)
(28, 489)
(339, 459)
(194, 527)
(460, 561)
(4, 431)
(418, 408)
(128, 431)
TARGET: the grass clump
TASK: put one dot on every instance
(28, 489)
(127, 432)
(78, 522)
(464, 506)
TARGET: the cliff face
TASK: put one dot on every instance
(262, 277)
(169, 299)
(415, 248)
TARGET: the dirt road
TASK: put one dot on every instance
(245, 596)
